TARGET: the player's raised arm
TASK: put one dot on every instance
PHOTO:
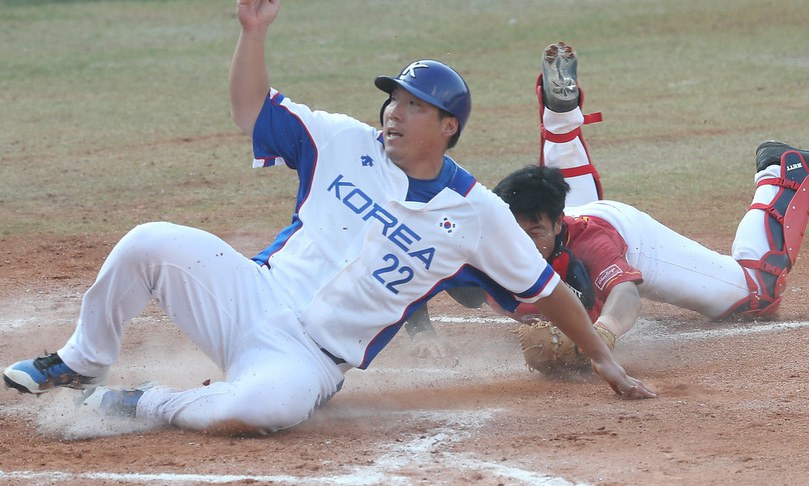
(249, 82)
(563, 308)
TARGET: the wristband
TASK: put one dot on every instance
(606, 322)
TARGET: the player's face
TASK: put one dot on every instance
(542, 232)
(414, 130)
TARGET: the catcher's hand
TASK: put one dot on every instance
(428, 344)
(548, 349)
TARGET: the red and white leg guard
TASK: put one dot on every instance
(781, 205)
(562, 146)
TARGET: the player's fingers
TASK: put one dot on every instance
(637, 391)
(645, 391)
(622, 384)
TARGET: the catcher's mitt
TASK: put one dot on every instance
(548, 349)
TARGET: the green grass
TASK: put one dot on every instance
(114, 113)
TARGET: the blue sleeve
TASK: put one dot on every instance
(280, 133)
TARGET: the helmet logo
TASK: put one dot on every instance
(411, 69)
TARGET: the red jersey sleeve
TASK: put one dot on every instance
(603, 251)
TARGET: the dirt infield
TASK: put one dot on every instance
(732, 405)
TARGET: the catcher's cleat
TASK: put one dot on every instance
(769, 153)
(113, 402)
(43, 374)
(559, 86)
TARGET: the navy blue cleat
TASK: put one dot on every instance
(770, 153)
(43, 374)
(113, 402)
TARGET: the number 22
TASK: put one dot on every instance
(393, 266)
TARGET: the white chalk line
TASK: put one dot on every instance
(393, 466)
(650, 330)
(432, 449)
(57, 476)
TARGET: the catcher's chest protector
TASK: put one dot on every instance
(575, 275)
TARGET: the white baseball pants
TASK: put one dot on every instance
(275, 374)
(676, 269)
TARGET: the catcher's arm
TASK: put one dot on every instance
(621, 309)
(566, 312)
(419, 322)
(471, 297)
(426, 342)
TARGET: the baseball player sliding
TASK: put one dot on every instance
(383, 221)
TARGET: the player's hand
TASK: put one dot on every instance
(623, 385)
(257, 13)
(427, 344)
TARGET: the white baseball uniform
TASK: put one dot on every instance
(675, 269)
(367, 246)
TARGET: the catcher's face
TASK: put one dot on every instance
(542, 232)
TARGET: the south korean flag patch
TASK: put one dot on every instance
(446, 224)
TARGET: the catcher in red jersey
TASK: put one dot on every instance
(614, 254)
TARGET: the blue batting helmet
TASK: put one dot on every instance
(433, 82)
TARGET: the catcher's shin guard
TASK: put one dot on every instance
(785, 221)
(546, 135)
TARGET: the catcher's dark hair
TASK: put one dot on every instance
(534, 191)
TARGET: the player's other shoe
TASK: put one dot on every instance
(770, 152)
(113, 402)
(42, 374)
(559, 86)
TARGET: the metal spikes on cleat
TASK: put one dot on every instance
(561, 91)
